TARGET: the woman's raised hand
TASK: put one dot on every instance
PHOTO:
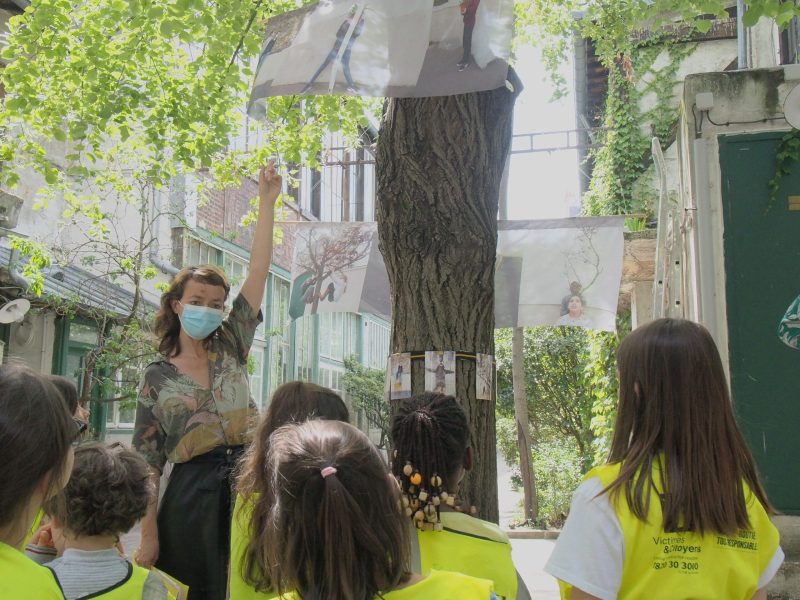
(269, 184)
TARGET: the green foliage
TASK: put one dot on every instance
(551, 24)
(571, 387)
(559, 397)
(365, 390)
(623, 157)
(786, 156)
(121, 358)
(38, 259)
(557, 469)
(602, 375)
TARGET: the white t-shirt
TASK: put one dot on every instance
(590, 550)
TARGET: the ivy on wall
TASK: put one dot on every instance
(624, 156)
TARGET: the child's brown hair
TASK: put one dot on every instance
(335, 531)
(107, 494)
(36, 433)
(675, 414)
(293, 402)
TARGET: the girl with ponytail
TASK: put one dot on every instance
(335, 528)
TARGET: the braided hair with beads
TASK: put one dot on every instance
(430, 434)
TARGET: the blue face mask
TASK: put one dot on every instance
(200, 321)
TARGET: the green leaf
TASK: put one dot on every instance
(752, 15)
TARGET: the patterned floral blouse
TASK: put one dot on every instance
(178, 419)
(789, 328)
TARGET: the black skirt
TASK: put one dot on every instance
(194, 523)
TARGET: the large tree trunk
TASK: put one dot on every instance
(439, 167)
(530, 501)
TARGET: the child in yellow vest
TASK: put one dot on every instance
(678, 512)
(36, 436)
(293, 402)
(335, 529)
(108, 493)
(430, 436)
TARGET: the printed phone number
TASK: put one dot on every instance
(681, 565)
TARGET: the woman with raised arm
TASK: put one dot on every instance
(195, 410)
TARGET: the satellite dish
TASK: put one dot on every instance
(14, 311)
(791, 108)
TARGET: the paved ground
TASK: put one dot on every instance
(530, 557)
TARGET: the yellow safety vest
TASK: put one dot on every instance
(20, 577)
(666, 566)
(472, 546)
(240, 537)
(438, 585)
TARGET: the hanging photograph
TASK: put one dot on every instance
(440, 372)
(576, 264)
(484, 376)
(337, 267)
(384, 48)
(400, 372)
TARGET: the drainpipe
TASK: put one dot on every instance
(741, 35)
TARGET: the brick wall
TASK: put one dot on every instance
(222, 214)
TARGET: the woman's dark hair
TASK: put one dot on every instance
(338, 537)
(675, 414)
(293, 402)
(108, 492)
(168, 325)
(68, 391)
(430, 433)
(36, 433)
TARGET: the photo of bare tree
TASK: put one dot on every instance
(325, 263)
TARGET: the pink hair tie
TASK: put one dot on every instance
(328, 471)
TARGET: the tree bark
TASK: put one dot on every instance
(530, 502)
(439, 167)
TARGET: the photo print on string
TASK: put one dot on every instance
(337, 267)
(400, 373)
(484, 376)
(440, 372)
(576, 264)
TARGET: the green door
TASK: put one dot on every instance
(762, 270)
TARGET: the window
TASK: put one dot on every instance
(236, 270)
(200, 253)
(304, 342)
(331, 336)
(280, 334)
(376, 344)
(257, 376)
(331, 377)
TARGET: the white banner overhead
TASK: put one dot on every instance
(550, 272)
(385, 48)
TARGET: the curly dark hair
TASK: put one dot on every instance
(108, 492)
